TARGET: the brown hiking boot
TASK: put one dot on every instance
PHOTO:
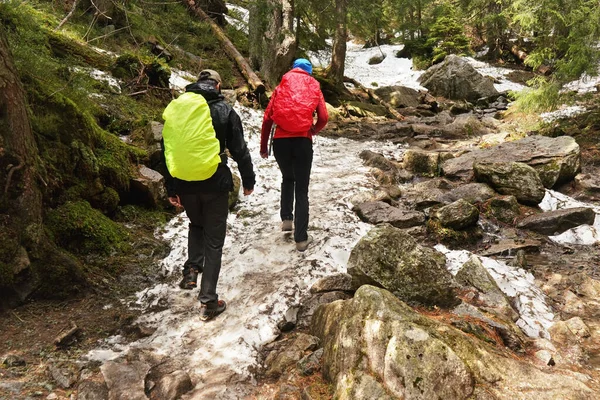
(287, 225)
(301, 246)
(211, 310)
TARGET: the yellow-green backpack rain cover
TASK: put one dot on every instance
(191, 145)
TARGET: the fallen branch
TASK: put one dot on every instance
(68, 16)
(253, 80)
(522, 55)
(376, 98)
(66, 337)
(12, 171)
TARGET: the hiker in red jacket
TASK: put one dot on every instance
(292, 106)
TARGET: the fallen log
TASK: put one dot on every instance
(376, 98)
(253, 80)
(66, 337)
(522, 55)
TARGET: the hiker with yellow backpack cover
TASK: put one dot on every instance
(199, 126)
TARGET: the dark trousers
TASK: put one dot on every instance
(294, 157)
(208, 225)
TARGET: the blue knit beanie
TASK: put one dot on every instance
(303, 64)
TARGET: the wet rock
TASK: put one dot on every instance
(125, 380)
(472, 192)
(375, 195)
(458, 215)
(491, 298)
(92, 390)
(341, 282)
(375, 333)
(310, 363)
(456, 79)
(172, 386)
(149, 187)
(504, 208)
(363, 110)
(422, 162)
(556, 160)
(389, 257)
(557, 221)
(379, 212)
(513, 178)
(377, 160)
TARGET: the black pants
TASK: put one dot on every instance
(294, 157)
(208, 225)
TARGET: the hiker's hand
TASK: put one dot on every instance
(264, 155)
(248, 192)
(175, 201)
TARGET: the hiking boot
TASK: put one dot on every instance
(287, 225)
(301, 246)
(211, 310)
(189, 280)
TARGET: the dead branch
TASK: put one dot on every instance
(253, 80)
(65, 337)
(68, 16)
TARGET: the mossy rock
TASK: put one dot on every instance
(79, 228)
(130, 66)
(451, 236)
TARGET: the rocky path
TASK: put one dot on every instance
(262, 274)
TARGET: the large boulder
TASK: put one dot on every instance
(512, 178)
(399, 96)
(556, 160)
(391, 258)
(557, 221)
(411, 356)
(456, 79)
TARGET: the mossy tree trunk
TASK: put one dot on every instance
(21, 195)
(338, 56)
(272, 23)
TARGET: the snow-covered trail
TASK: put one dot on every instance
(262, 274)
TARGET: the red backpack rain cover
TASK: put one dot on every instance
(295, 100)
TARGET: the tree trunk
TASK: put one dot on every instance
(279, 47)
(20, 195)
(338, 56)
(253, 80)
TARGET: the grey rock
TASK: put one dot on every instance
(504, 208)
(172, 386)
(125, 380)
(341, 282)
(310, 363)
(472, 192)
(557, 221)
(389, 257)
(92, 390)
(149, 187)
(379, 212)
(153, 133)
(13, 360)
(512, 178)
(455, 78)
(557, 160)
(400, 96)
(510, 247)
(422, 162)
(64, 375)
(458, 215)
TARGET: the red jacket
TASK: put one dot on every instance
(293, 103)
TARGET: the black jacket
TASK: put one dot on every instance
(229, 131)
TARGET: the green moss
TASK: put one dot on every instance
(141, 216)
(8, 248)
(81, 229)
(450, 236)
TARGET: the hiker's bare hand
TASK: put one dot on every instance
(248, 192)
(175, 201)
(264, 155)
